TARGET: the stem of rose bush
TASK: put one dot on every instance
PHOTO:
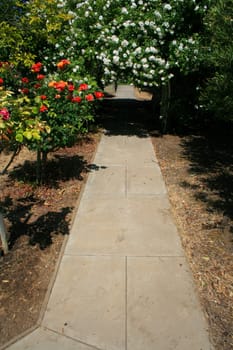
(40, 166)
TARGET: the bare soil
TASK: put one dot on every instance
(198, 171)
(37, 219)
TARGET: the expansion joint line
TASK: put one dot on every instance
(126, 179)
(126, 302)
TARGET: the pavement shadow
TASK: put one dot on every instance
(40, 231)
(127, 117)
(212, 159)
(59, 168)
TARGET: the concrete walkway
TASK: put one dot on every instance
(123, 282)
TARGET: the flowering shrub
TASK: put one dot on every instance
(142, 42)
(17, 119)
(28, 28)
(46, 112)
(145, 42)
(59, 103)
(5, 124)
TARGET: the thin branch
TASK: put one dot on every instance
(15, 153)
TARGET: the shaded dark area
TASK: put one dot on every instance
(128, 117)
(40, 212)
(185, 113)
(39, 231)
(211, 158)
(184, 117)
(61, 167)
(19, 211)
(134, 117)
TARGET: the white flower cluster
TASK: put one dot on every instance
(140, 40)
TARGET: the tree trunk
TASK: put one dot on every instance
(155, 105)
(40, 166)
(43, 166)
(164, 106)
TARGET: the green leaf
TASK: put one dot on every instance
(27, 134)
(35, 110)
(2, 125)
(19, 138)
(26, 113)
(47, 129)
(36, 135)
(37, 99)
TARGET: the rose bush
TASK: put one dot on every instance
(46, 111)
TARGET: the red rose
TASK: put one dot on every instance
(40, 76)
(25, 91)
(43, 108)
(71, 87)
(89, 97)
(83, 87)
(60, 85)
(25, 80)
(43, 97)
(37, 86)
(1, 81)
(76, 99)
(36, 67)
(98, 94)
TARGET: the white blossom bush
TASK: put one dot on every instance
(144, 42)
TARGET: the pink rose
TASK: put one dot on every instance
(5, 113)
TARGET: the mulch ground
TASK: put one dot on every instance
(198, 171)
(37, 219)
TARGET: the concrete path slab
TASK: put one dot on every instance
(88, 301)
(44, 339)
(145, 181)
(140, 226)
(118, 150)
(125, 92)
(107, 181)
(162, 309)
